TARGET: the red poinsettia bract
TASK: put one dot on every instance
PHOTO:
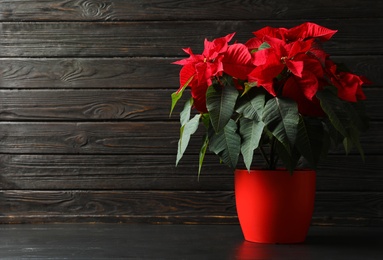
(202, 68)
(285, 62)
(294, 66)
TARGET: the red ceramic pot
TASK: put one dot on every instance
(274, 206)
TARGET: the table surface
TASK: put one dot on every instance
(144, 241)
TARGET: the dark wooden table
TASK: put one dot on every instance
(131, 241)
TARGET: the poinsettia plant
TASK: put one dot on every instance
(279, 95)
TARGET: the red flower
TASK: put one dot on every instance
(285, 62)
(349, 85)
(309, 30)
(237, 61)
(293, 64)
(295, 89)
(303, 89)
(269, 31)
(202, 68)
(301, 32)
(272, 61)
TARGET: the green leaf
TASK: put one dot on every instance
(281, 119)
(251, 104)
(311, 140)
(357, 113)
(335, 137)
(344, 118)
(335, 110)
(347, 144)
(263, 46)
(251, 132)
(353, 140)
(185, 113)
(202, 154)
(220, 102)
(226, 144)
(178, 94)
(205, 118)
(185, 133)
(289, 158)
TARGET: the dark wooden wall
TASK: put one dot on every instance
(84, 101)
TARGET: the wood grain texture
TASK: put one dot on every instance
(140, 241)
(357, 208)
(85, 89)
(111, 104)
(158, 172)
(117, 205)
(348, 208)
(162, 38)
(126, 73)
(98, 137)
(105, 10)
(82, 73)
(118, 138)
(84, 105)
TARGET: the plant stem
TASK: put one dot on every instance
(264, 156)
(272, 154)
(276, 161)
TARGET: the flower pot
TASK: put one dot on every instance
(274, 206)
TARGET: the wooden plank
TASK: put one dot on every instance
(111, 104)
(98, 104)
(93, 138)
(76, 73)
(162, 38)
(374, 102)
(152, 206)
(140, 73)
(156, 172)
(118, 138)
(331, 208)
(140, 241)
(350, 173)
(137, 241)
(100, 172)
(76, 10)
(111, 241)
(348, 208)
